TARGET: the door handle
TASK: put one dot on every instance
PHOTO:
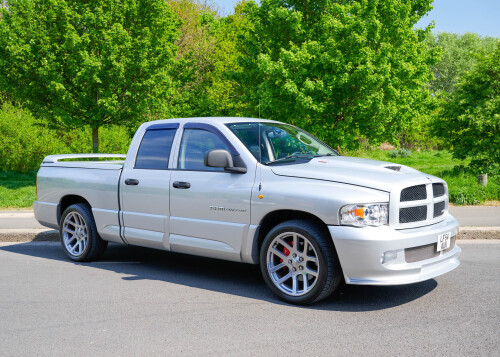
(182, 185)
(132, 182)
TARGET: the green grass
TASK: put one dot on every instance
(18, 190)
(462, 184)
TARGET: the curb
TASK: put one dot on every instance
(52, 235)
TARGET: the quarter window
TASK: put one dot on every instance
(154, 150)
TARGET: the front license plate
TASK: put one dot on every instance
(444, 241)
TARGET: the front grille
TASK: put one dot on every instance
(438, 189)
(438, 209)
(413, 193)
(424, 252)
(412, 214)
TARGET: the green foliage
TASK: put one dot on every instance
(25, 142)
(341, 70)
(458, 55)
(400, 153)
(91, 64)
(207, 55)
(471, 119)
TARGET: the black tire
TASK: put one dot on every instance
(94, 245)
(320, 286)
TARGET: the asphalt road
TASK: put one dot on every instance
(137, 301)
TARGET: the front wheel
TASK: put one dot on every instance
(79, 237)
(299, 263)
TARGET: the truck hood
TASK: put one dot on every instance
(379, 175)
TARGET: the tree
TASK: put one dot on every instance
(458, 55)
(342, 69)
(78, 63)
(471, 119)
(207, 55)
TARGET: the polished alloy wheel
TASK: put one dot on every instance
(75, 233)
(292, 263)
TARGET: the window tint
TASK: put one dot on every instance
(155, 149)
(195, 143)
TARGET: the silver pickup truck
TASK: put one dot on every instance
(259, 192)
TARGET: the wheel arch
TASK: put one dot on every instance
(67, 201)
(272, 219)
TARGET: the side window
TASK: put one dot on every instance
(195, 143)
(154, 150)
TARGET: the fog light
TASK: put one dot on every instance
(389, 257)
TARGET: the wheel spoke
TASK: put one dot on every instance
(285, 278)
(277, 267)
(306, 282)
(79, 221)
(279, 254)
(286, 244)
(295, 241)
(311, 271)
(295, 281)
(311, 259)
(73, 247)
(306, 244)
(70, 231)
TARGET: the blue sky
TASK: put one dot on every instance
(459, 16)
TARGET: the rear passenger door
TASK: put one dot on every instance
(145, 189)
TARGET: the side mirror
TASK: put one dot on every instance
(222, 158)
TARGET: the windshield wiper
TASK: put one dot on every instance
(291, 157)
(329, 154)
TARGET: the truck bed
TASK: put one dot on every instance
(97, 181)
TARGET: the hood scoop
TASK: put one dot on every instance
(394, 168)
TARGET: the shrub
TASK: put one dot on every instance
(25, 142)
(401, 153)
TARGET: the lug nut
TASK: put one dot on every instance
(301, 259)
(294, 269)
(294, 255)
(289, 261)
(301, 267)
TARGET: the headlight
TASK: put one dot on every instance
(370, 214)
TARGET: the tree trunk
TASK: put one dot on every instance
(95, 140)
(482, 179)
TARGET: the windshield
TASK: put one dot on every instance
(279, 143)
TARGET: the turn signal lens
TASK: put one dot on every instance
(370, 214)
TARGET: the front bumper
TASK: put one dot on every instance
(360, 252)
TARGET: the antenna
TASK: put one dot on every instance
(260, 154)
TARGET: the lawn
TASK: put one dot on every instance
(18, 190)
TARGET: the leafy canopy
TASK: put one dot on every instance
(458, 55)
(471, 119)
(341, 69)
(79, 63)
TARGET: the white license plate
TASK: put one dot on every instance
(444, 241)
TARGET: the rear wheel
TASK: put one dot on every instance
(79, 237)
(299, 263)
